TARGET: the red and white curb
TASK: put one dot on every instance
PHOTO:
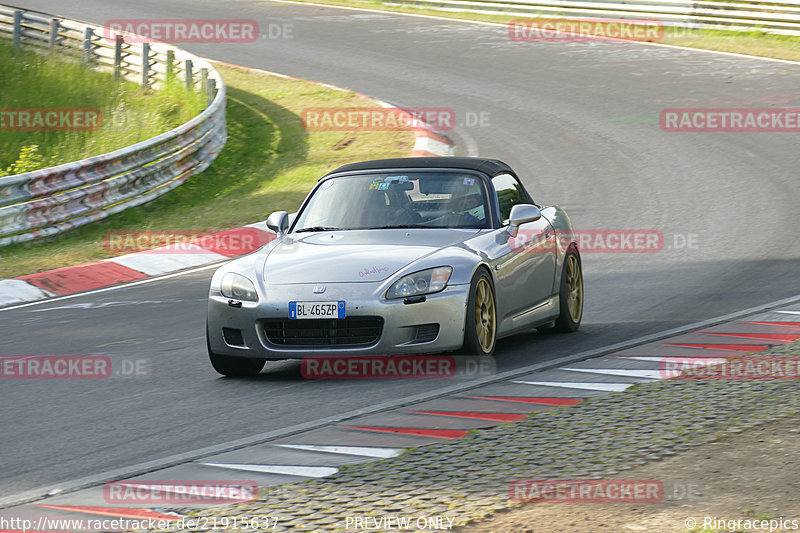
(428, 142)
(175, 258)
(206, 250)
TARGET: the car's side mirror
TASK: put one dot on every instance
(278, 222)
(521, 214)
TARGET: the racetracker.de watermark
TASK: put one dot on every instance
(233, 242)
(377, 118)
(588, 241)
(179, 492)
(585, 29)
(748, 368)
(71, 367)
(182, 30)
(50, 119)
(586, 490)
(769, 119)
(397, 366)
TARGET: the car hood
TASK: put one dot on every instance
(354, 255)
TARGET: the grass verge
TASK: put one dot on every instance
(269, 163)
(128, 113)
(756, 42)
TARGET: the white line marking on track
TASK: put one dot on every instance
(681, 360)
(469, 141)
(365, 451)
(647, 374)
(304, 471)
(606, 387)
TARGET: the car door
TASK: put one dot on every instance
(526, 267)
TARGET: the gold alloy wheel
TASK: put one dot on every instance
(484, 315)
(574, 284)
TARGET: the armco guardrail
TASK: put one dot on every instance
(771, 16)
(52, 200)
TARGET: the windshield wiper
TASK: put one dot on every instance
(398, 226)
(318, 228)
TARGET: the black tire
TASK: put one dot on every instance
(570, 295)
(480, 340)
(235, 367)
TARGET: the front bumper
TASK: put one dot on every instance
(246, 336)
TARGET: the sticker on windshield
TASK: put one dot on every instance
(379, 186)
(398, 179)
(469, 181)
(326, 185)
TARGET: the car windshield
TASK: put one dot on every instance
(397, 200)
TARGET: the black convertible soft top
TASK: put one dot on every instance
(492, 167)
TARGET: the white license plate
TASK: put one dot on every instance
(317, 309)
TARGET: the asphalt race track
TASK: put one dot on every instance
(578, 121)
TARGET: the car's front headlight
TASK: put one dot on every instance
(419, 283)
(238, 287)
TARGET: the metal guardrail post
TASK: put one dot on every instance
(87, 46)
(187, 71)
(212, 90)
(145, 65)
(54, 25)
(204, 80)
(17, 35)
(170, 65)
(118, 56)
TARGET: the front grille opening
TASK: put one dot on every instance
(233, 337)
(426, 333)
(351, 331)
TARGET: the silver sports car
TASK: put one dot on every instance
(398, 256)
